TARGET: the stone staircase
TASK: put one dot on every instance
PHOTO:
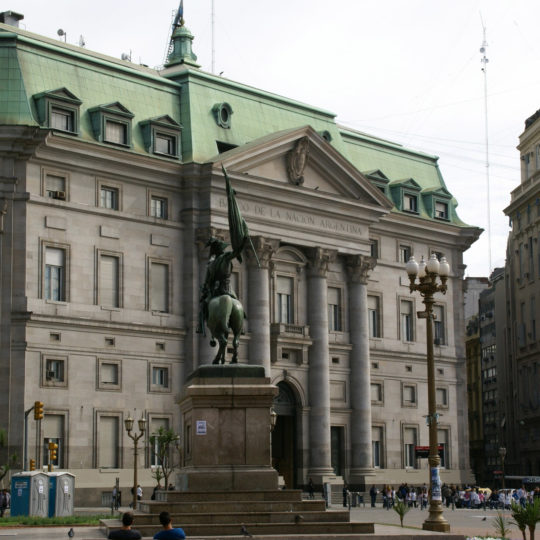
(222, 513)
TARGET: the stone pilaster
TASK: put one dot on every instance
(319, 367)
(258, 311)
(359, 267)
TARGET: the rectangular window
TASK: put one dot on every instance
(108, 373)
(165, 144)
(406, 315)
(410, 203)
(108, 442)
(533, 318)
(62, 119)
(55, 274)
(409, 442)
(159, 287)
(155, 425)
(115, 132)
(54, 370)
(160, 376)
(409, 394)
(442, 438)
(441, 210)
(109, 293)
(376, 392)
(55, 186)
(531, 258)
(158, 207)
(438, 324)
(374, 317)
(377, 446)
(441, 397)
(108, 197)
(334, 309)
(284, 300)
(404, 253)
(374, 248)
(53, 432)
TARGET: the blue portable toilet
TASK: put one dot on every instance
(61, 490)
(30, 494)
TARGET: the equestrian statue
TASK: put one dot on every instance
(220, 308)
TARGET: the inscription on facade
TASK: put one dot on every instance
(291, 216)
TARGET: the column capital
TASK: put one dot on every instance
(264, 248)
(319, 259)
(359, 267)
(203, 234)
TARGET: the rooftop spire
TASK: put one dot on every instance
(180, 51)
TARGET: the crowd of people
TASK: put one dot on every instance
(454, 496)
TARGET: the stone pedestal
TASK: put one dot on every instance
(226, 418)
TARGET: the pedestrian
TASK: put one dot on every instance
(311, 489)
(168, 532)
(125, 532)
(373, 494)
(345, 495)
(3, 502)
(139, 492)
(157, 488)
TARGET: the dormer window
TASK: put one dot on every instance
(441, 210)
(112, 124)
(162, 136)
(58, 110)
(410, 203)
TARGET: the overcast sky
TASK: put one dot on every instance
(405, 70)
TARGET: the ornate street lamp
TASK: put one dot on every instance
(128, 423)
(427, 286)
(502, 454)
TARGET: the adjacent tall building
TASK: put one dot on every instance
(110, 186)
(521, 295)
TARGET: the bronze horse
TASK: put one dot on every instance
(225, 313)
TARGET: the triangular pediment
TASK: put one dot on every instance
(114, 108)
(377, 175)
(440, 192)
(408, 183)
(302, 160)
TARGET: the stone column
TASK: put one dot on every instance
(258, 308)
(319, 368)
(358, 267)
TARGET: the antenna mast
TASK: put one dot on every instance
(484, 60)
(213, 39)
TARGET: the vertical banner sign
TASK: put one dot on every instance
(435, 484)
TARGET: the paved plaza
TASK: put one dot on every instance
(466, 522)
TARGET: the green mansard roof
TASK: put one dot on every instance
(210, 109)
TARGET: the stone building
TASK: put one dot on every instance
(111, 184)
(521, 428)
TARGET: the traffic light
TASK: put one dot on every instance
(53, 447)
(32, 464)
(38, 410)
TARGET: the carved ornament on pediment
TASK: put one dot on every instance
(296, 161)
(319, 259)
(359, 267)
(264, 248)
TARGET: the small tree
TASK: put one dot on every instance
(167, 451)
(532, 516)
(401, 509)
(11, 460)
(500, 524)
(519, 518)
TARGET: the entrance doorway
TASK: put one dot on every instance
(284, 435)
(336, 442)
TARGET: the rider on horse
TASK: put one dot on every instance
(217, 279)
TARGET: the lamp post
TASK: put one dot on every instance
(128, 422)
(427, 286)
(502, 454)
